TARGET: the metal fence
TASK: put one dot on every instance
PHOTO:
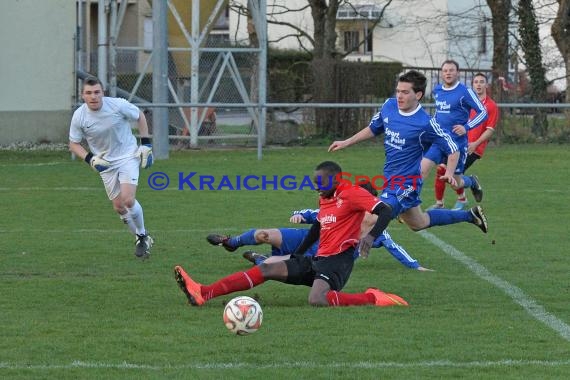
(226, 121)
(228, 109)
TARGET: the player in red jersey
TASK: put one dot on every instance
(342, 208)
(478, 138)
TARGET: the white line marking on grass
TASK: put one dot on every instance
(33, 164)
(530, 305)
(105, 231)
(287, 365)
(50, 188)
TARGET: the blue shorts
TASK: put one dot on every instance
(402, 199)
(291, 239)
(440, 157)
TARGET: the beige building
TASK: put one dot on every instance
(36, 40)
(38, 62)
(39, 56)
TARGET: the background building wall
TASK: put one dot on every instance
(36, 41)
(279, 36)
(417, 36)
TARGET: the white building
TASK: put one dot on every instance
(420, 33)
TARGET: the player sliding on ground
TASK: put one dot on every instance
(284, 241)
(342, 209)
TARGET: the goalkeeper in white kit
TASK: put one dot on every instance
(105, 124)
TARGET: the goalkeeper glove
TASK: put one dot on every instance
(145, 153)
(98, 163)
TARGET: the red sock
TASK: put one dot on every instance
(460, 195)
(349, 299)
(439, 184)
(233, 283)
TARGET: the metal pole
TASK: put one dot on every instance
(194, 70)
(87, 35)
(113, 50)
(160, 79)
(79, 46)
(102, 43)
(262, 73)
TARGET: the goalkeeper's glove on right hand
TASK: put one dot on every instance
(145, 153)
(98, 163)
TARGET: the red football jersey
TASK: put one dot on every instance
(340, 218)
(490, 123)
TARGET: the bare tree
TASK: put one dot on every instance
(323, 49)
(530, 44)
(500, 10)
(561, 34)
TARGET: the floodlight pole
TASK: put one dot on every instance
(102, 43)
(159, 79)
(194, 71)
(262, 73)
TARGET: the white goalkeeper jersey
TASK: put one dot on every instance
(107, 130)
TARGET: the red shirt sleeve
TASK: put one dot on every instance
(360, 199)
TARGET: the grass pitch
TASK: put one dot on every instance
(76, 303)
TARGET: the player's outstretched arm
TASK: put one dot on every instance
(384, 212)
(364, 134)
(452, 160)
(305, 216)
(297, 219)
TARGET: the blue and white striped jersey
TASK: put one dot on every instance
(453, 105)
(405, 137)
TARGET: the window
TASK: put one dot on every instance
(368, 45)
(351, 40)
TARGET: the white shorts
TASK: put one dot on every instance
(126, 172)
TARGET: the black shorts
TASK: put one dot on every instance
(471, 158)
(335, 269)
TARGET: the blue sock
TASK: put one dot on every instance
(247, 238)
(442, 217)
(468, 181)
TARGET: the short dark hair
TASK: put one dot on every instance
(330, 167)
(92, 80)
(451, 62)
(417, 79)
(479, 74)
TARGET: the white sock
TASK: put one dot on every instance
(136, 215)
(126, 218)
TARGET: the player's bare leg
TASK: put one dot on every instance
(271, 236)
(126, 205)
(318, 293)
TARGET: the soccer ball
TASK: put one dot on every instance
(243, 315)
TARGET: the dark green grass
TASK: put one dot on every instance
(75, 303)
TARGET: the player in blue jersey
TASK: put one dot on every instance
(284, 241)
(453, 104)
(407, 128)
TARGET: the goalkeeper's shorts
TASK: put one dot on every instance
(127, 172)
